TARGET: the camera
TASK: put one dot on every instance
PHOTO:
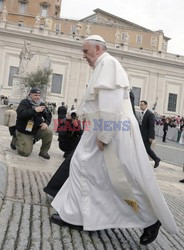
(73, 115)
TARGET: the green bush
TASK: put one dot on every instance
(39, 79)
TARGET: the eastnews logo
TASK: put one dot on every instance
(96, 125)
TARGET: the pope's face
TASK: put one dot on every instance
(90, 52)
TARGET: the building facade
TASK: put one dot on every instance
(24, 12)
(31, 8)
(154, 74)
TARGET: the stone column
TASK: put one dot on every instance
(161, 92)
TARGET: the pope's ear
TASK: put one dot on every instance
(98, 47)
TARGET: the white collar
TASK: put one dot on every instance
(144, 111)
(99, 58)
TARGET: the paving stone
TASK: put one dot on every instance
(23, 238)
(87, 241)
(77, 240)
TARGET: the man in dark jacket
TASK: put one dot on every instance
(33, 120)
(62, 110)
(70, 133)
(165, 129)
(147, 127)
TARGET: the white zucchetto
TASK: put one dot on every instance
(96, 38)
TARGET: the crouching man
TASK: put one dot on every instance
(33, 120)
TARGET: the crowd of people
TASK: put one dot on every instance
(172, 122)
(106, 172)
(4, 100)
(51, 106)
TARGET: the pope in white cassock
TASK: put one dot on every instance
(111, 182)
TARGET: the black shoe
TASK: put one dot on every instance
(150, 233)
(44, 155)
(157, 163)
(49, 192)
(12, 146)
(182, 181)
(45, 189)
(57, 220)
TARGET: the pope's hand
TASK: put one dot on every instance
(100, 144)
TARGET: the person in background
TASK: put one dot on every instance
(181, 140)
(147, 127)
(62, 110)
(73, 107)
(54, 108)
(6, 100)
(69, 135)
(180, 128)
(10, 117)
(33, 120)
(165, 129)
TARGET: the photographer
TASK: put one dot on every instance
(33, 120)
(69, 133)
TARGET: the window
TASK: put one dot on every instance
(56, 83)
(139, 38)
(72, 29)
(1, 4)
(44, 10)
(12, 72)
(57, 27)
(125, 37)
(172, 102)
(22, 7)
(137, 94)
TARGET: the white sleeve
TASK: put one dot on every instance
(110, 108)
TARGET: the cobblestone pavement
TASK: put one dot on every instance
(25, 212)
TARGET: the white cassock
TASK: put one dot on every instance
(100, 182)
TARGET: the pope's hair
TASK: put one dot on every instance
(99, 43)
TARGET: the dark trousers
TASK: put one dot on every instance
(12, 130)
(60, 176)
(179, 135)
(149, 151)
(164, 136)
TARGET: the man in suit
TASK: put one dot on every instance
(165, 129)
(147, 127)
